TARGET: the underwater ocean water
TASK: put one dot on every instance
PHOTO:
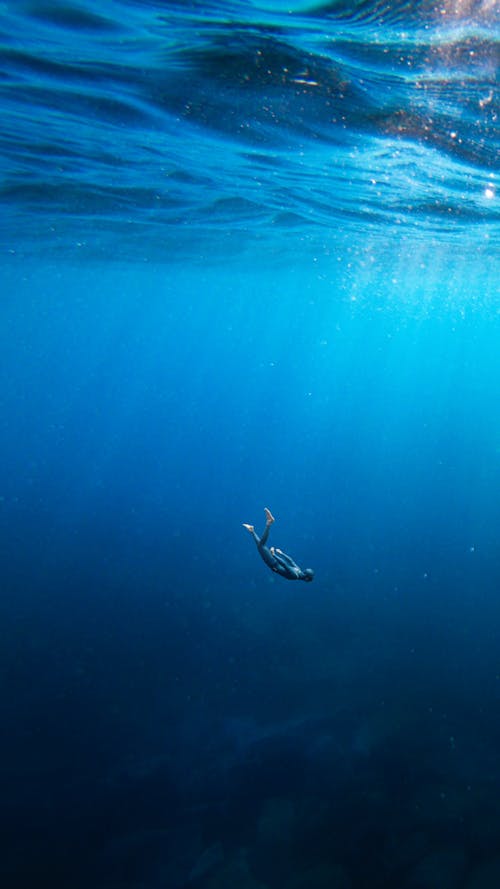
(249, 258)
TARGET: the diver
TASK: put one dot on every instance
(275, 559)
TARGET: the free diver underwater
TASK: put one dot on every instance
(276, 559)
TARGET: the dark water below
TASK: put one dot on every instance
(249, 258)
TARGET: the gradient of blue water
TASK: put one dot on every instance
(146, 651)
(149, 387)
(259, 334)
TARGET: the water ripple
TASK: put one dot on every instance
(270, 120)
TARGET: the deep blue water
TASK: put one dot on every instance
(249, 258)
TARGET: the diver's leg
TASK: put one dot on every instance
(269, 522)
(265, 535)
(251, 530)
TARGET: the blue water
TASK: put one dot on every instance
(249, 258)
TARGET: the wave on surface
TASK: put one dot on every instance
(171, 124)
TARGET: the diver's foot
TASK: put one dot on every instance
(269, 516)
(248, 527)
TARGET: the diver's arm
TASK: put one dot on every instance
(285, 559)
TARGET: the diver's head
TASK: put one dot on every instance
(308, 574)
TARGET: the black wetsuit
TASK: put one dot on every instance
(280, 563)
